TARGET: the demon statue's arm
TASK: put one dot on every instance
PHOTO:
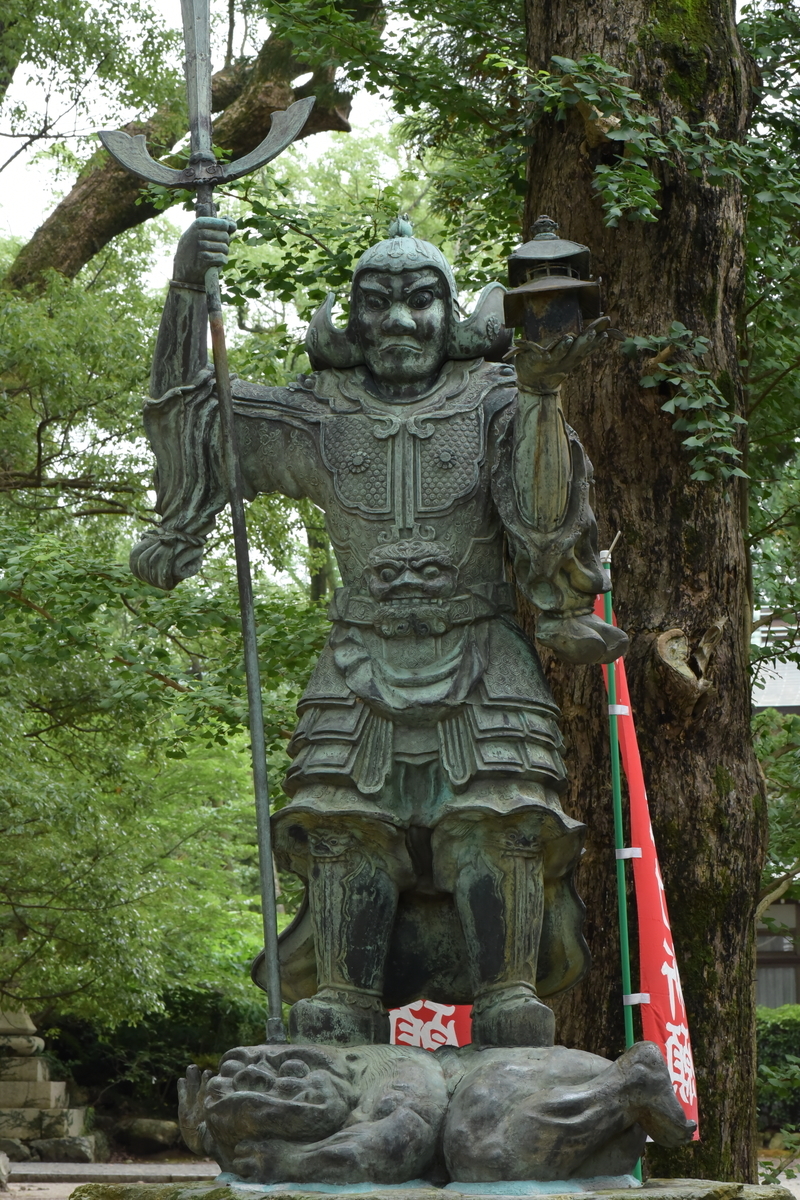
(542, 485)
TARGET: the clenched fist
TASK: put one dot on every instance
(203, 245)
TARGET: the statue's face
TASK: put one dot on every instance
(402, 322)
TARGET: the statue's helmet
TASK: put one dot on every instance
(482, 335)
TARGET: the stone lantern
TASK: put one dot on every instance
(551, 293)
(35, 1118)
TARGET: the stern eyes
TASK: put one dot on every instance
(421, 299)
(388, 574)
(375, 302)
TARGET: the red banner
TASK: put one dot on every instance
(664, 1014)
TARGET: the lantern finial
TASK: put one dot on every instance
(544, 228)
(401, 227)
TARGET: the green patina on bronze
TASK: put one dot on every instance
(425, 818)
(426, 772)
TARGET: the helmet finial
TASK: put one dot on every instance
(401, 227)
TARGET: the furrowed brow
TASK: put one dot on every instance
(373, 286)
(425, 281)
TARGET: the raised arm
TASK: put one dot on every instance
(542, 488)
(542, 466)
(181, 347)
(182, 424)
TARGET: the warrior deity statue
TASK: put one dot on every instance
(424, 818)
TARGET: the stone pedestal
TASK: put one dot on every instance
(654, 1189)
(32, 1106)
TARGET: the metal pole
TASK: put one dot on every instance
(619, 835)
(619, 832)
(276, 1031)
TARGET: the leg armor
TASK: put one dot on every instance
(354, 871)
(493, 865)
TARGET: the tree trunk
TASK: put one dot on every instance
(680, 562)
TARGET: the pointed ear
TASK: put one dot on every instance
(483, 335)
(328, 346)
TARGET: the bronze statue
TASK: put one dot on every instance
(425, 818)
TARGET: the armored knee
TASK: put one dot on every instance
(460, 843)
(304, 840)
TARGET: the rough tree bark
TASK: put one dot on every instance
(680, 563)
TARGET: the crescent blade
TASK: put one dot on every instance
(286, 125)
(132, 153)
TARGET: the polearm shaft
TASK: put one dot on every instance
(275, 1027)
(202, 173)
(276, 1031)
(197, 35)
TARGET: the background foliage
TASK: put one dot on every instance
(778, 1033)
(135, 1067)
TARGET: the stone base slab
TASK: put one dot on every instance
(30, 1123)
(63, 1122)
(27, 1093)
(32, 1070)
(654, 1189)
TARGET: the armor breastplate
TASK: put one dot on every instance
(404, 467)
(358, 451)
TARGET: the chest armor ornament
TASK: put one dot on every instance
(404, 468)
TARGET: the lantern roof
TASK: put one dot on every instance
(548, 254)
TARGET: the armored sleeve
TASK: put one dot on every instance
(191, 490)
(545, 502)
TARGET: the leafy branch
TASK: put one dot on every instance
(613, 112)
(778, 1084)
(675, 364)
